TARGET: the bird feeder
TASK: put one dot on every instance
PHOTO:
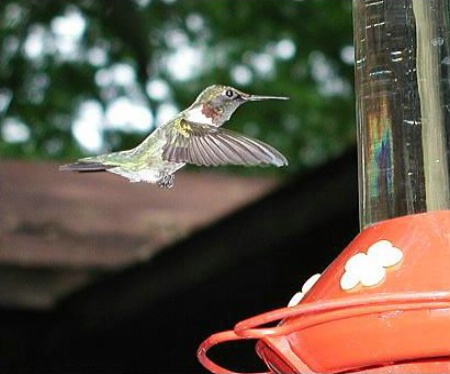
(383, 305)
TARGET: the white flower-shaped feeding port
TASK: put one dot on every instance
(305, 288)
(369, 269)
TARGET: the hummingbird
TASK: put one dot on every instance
(195, 136)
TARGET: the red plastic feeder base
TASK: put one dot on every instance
(383, 306)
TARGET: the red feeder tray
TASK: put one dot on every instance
(383, 306)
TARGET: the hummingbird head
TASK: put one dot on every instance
(219, 102)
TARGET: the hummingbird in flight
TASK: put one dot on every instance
(195, 136)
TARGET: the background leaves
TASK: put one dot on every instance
(83, 77)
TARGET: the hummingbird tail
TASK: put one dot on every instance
(85, 166)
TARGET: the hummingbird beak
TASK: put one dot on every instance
(260, 98)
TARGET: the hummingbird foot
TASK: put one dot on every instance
(166, 181)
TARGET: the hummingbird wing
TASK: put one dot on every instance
(205, 145)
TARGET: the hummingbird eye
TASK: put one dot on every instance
(229, 93)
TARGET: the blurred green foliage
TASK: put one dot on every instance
(56, 56)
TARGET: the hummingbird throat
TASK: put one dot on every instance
(204, 114)
(209, 112)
